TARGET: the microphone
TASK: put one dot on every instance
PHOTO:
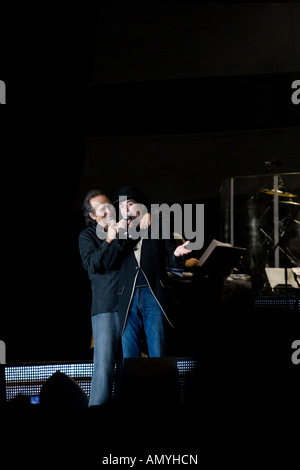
(122, 231)
(126, 217)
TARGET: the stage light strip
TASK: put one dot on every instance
(185, 367)
(28, 379)
(291, 304)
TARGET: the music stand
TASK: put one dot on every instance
(284, 248)
(219, 258)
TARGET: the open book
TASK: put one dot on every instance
(220, 256)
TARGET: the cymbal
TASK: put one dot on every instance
(280, 193)
(290, 202)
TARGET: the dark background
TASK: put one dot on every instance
(172, 96)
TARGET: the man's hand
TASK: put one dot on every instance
(122, 224)
(182, 250)
(137, 217)
(145, 221)
(111, 233)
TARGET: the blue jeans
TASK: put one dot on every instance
(107, 354)
(146, 313)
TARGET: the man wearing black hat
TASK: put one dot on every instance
(145, 296)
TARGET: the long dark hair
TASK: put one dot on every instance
(86, 206)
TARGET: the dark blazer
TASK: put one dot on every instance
(100, 259)
(153, 263)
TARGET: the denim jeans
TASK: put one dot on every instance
(107, 355)
(146, 313)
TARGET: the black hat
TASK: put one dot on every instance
(132, 192)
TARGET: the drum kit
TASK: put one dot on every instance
(280, 193)
(286, 223)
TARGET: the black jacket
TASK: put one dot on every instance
(153, 263)
(99, 258)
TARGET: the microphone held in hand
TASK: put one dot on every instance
(126, 217)
(123, 233)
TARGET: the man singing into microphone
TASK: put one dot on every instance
(145, 297)
(98, 250)
(101, 256)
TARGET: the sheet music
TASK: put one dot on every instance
(276, 276)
